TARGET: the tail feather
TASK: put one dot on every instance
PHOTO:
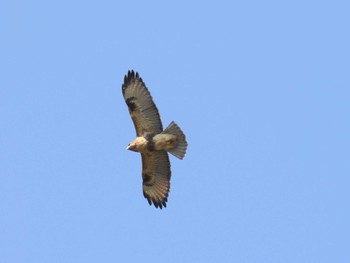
(180, 149)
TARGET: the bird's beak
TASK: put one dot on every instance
(127, 148)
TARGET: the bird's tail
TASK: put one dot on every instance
(181, 144)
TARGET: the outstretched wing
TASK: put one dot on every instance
(142, 109)
(156, 175)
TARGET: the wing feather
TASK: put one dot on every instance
(142, 109)
(156, 176)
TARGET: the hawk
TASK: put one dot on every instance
(152, 141)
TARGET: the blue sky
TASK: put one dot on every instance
(261, 89)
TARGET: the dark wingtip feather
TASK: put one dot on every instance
(128, 78)
(149, 201)
(160, 204)
(157, 204)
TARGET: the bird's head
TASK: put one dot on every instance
(138, 145)
(132, 146)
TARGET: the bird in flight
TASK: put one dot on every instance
(152, 141)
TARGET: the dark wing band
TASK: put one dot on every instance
(156, 176)
(142, 109)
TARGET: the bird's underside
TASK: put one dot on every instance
(152, 142)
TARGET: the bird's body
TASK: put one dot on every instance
(152, 141)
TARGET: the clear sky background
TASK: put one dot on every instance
(261, 89)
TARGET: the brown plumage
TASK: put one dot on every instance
(152, 142)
